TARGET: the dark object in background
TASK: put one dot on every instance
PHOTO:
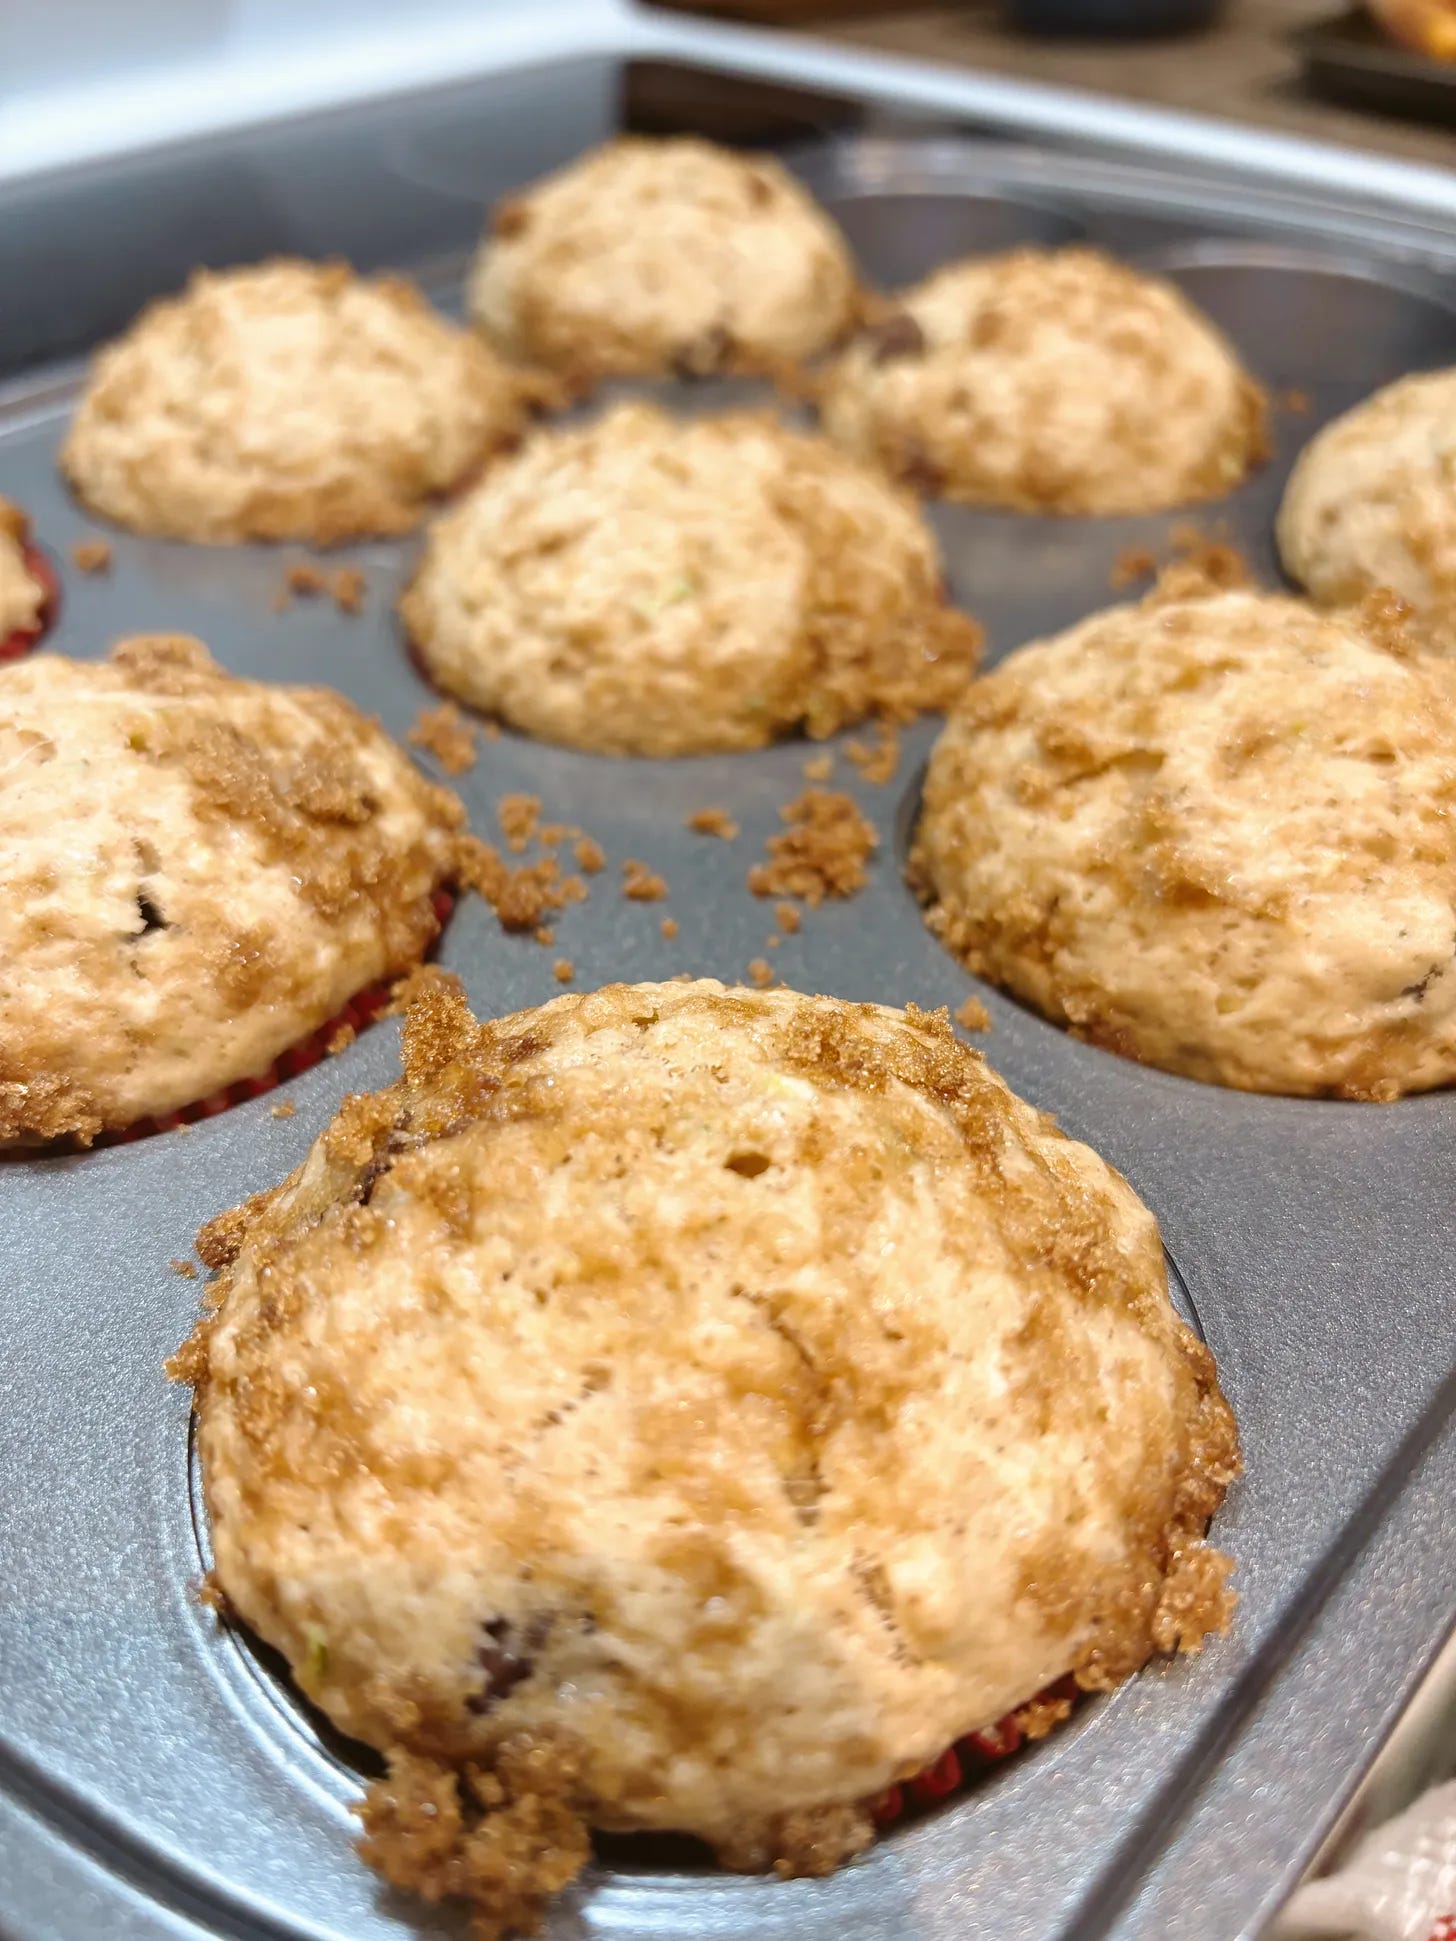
(1350, 59)
(1124, 18)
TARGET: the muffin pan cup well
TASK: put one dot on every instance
(158, 1777)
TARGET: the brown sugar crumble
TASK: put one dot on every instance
(1197, 563)
(669, 928)
(349, 589)
(713, 822)
(1132, 564)
(877, 761)
(788, 919)
(504, 1838)
(823, 852)
(761, 973)
(284, 1109)
(973, 1015)
(344, 585)
(447, 735)
(590, 855)
(641, 884)
(522, 898)
(91, 555)
(818, 768)
(210, 1594)
(186, 1268)
(518, 816)
(544, 934)
(1042, 1716)
(340, 1040)
(563, 970)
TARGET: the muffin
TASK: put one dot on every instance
(1215, 834)
(685, 1408)
(195, 872)
(651, 256)
(1372, 503)
(26, 587)
(1049, 381)
(288, 400)
(648, 586)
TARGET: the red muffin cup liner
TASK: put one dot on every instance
(13, 645)
(361, 1010)
(961, 1764)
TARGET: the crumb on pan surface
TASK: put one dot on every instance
(824, 851)
(448, 735)
(644, 585)
(713, 821)
(836, 1405)
(641, 883)
(1049, 381)
(1214, 833)
(91, 555)
(196, 871)
(286, 400)
(1372, 503)
(663, 255)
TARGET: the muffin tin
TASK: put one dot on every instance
(158, 1777)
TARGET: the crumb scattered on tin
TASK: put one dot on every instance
(713, 822)
(823, 852)
(349, 588)
(563, 970)
(522, 898)
(186, 1268)
(877, 761)
(91, 555)
(973, 1015)
(284, 1109)
(819, 768)
(1132, 564)
(518, 816)
(448, 736)
(761, 973)
(788, 918)
(590, 856)
(346, 586)
(641, 884)
(340, 1040)
(669, 928)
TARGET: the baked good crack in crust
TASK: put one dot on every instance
(658, 255)
(650, 586)
(1217, 834)
(1049, 381)
(286, 400)
(679, 1407)
(195, 872)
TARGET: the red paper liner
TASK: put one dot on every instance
(361, 1010)
(13, 645)
(961, 1764)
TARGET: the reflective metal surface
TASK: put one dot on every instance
(157, 1776)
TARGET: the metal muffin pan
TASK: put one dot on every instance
(157, 1775)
